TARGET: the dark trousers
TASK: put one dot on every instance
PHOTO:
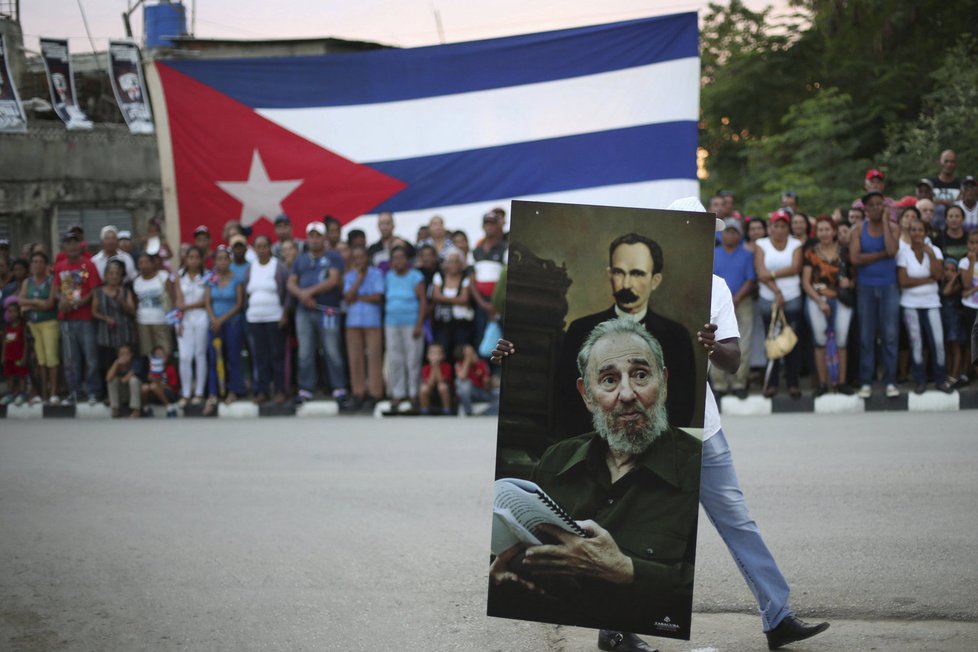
(267, 343)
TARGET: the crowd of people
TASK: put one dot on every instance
(253, 319)
(884, 290)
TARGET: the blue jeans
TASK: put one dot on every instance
(78, 341)
(231, 341)
(467, 392)
(726, 508)
(878, 307)
(267, 343)
(311, 332)
(925, 323)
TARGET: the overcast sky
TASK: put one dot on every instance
(402, 22)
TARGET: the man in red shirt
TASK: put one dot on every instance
(75, 279)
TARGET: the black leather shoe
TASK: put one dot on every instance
(622, 642)
(792, 629)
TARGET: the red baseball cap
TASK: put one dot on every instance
(780, 214)
(875, 173)
(907, 202)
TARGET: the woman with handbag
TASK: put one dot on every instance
(829, 304)
(777, 262)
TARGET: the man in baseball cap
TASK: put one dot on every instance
(875, 181)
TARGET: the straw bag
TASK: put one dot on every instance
(781, 338)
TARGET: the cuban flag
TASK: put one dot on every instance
(599, 115)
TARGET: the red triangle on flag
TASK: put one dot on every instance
(232, 164)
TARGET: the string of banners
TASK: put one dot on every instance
(125, 73)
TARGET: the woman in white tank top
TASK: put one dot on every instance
(777, 262)
(266, 294)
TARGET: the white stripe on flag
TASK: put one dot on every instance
(468, 217)
(661, 92)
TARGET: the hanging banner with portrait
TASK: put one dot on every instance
(12, 119)
(61, 83)
(601, 416)
(126, 74)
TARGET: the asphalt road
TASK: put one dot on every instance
(364, 534)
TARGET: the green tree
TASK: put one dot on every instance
(948, 120)
(814, 154)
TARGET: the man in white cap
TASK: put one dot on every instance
(110, 250)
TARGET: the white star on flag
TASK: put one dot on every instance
(260, 196)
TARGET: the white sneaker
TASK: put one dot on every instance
(54, 400)
(892, 391)
(865, 391)
(37, 400)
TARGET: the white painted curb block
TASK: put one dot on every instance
(314, 409)
(97, 411)
(933, 401)
(238, 410)
(25, 411)
(839, 404)
(750, 406)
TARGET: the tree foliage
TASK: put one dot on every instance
(808, 100)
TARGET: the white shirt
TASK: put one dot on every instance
(150, 293)
(193, 292)
(970, 214)
(100, 260)
(723, 315)
(264, 303)
(790, 286)
(920, 296)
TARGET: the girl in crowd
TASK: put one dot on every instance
(224, 301)
(453, 315)
(919, 268)
(438, 237)
(113, 308)
(800, 227)
(777, 262)
(42, 321)
(756, 229)
(953, 241)
(363, 291)
(461, 240)
(265, 287)
(154, 295)
(405, 308)
(192, 332)
(823, 275)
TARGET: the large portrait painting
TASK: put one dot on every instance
(601, 415)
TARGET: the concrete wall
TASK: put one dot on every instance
(50, 168)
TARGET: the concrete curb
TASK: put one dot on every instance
(930, 401)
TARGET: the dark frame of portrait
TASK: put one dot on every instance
(558, 277)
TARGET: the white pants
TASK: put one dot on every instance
(404, 353)
(192, 345)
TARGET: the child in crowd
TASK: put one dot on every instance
(161, 381)
(951, 318)
(124, 384)
(14, 353)
(472, 377)
(436, 376)
(968, 267)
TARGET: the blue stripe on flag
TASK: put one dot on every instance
(645, 153)
(394, 74)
